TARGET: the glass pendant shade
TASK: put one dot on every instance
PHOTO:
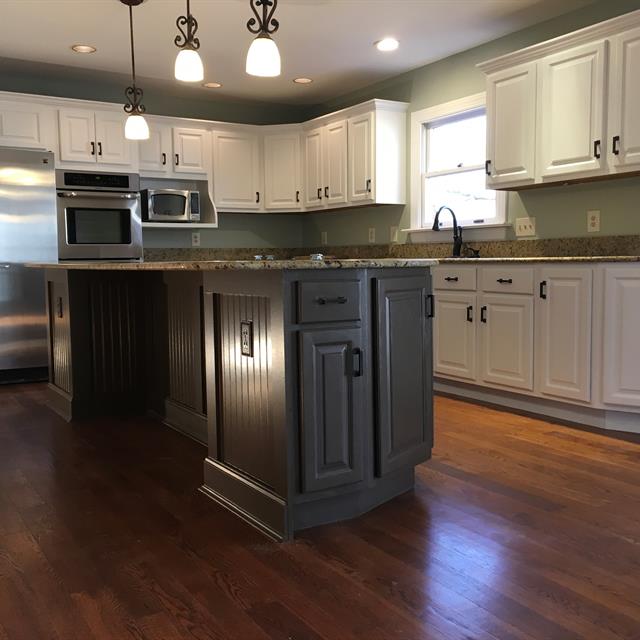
(136, 128)
(263, 58)
(189, 66)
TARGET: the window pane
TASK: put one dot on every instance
(459, 142)
(465, 193)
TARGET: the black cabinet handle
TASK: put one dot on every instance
(357, 362)
(369, 185)
(297, 196)
(319, 193)
(616, 145)
(164, 159)
(597, 148)
(59, 311)
(326, 192)
(431, 306)
(93, 148)
(99, 148)
(543, 290)
(487, 167)
(338, 300)
(257, 196)
(470, 313)
(177, 159)
(451, 278)
(483, 315)
(504, 280)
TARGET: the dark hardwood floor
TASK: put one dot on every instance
(518, 529)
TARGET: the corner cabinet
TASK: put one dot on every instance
(572, 100)
(282, 171)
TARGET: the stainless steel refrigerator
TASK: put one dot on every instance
(27, 234)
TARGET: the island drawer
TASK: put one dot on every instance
(509, 279)
(462, 278)
(328, 301)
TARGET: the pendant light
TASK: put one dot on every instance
(136, 127)
(188, 66)
(263, 58)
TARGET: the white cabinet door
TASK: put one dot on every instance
(454, 338)
(155, 153)
(335, 163)
(511, 126)
(506, 340)
(621, 346)
(190, 148)
(563, 339)
(313, 165)
(282, 171)
(624, 105)
(571, 114)
(236, 170)
(26, 125)
(77, 129)
(112, 146)
(361, 158)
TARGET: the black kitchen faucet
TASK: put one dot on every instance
(457, 231)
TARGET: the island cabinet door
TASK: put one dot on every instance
(59, 333)
(404, 389)
(333, 427)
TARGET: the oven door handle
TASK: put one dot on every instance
(97, 194)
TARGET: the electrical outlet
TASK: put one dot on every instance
(324, 239)
(372, 235)
(593, 221)
(195, 238)
(393, 234)
(525, 227)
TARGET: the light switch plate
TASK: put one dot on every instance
(246, 339)
(393, 234)
(372, 235)
(593, 221)
(525, 227)
(195, 238)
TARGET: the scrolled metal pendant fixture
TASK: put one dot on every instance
(136, 127)
(188, 67)
(263, 58)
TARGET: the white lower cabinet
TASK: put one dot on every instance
(454, 338)
(563, 341)
(506, 340)
(621, 353)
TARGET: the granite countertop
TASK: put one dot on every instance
(226, 265)
(524, 259)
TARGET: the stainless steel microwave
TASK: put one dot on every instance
(170, 205)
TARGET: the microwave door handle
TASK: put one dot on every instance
(97, 194)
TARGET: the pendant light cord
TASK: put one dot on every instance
(133, 55)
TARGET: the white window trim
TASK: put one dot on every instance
(419, 120)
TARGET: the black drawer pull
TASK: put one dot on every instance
(319, 193)
(338, 300)
(369, 185)
(297, 196)
(93, 148)
(452, 278)
(470, 313)
(431, 306)
(257, 197)
(177, 159)
(483, 315)
(487, 167)
(326, 192)
(597, 148)
(616, 145)
(543, 290)
(164, 159)
(357, 363)
(505, 280)
(99, 148)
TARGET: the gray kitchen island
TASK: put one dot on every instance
(312, 379)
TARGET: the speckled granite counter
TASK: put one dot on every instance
(528, 260)
(227, 265)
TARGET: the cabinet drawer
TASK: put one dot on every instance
(454, 278)
(328, 301)
(507, 279)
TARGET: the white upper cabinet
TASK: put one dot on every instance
(572, 112)
(361, 158)
(190, 150)
(563, 340)
(624, 102)
(312, 169)
(282, 169)
(93, 137)
(26, 125)
(155, 154)
(511, 126)
(236, 170)
(335, 163)
(621, 353)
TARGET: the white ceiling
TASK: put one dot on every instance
(327, 40)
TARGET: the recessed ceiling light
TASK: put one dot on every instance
(83, 48)
(387, 44)
(303, 80)
(212, 85)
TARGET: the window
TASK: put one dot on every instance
(449, 166)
